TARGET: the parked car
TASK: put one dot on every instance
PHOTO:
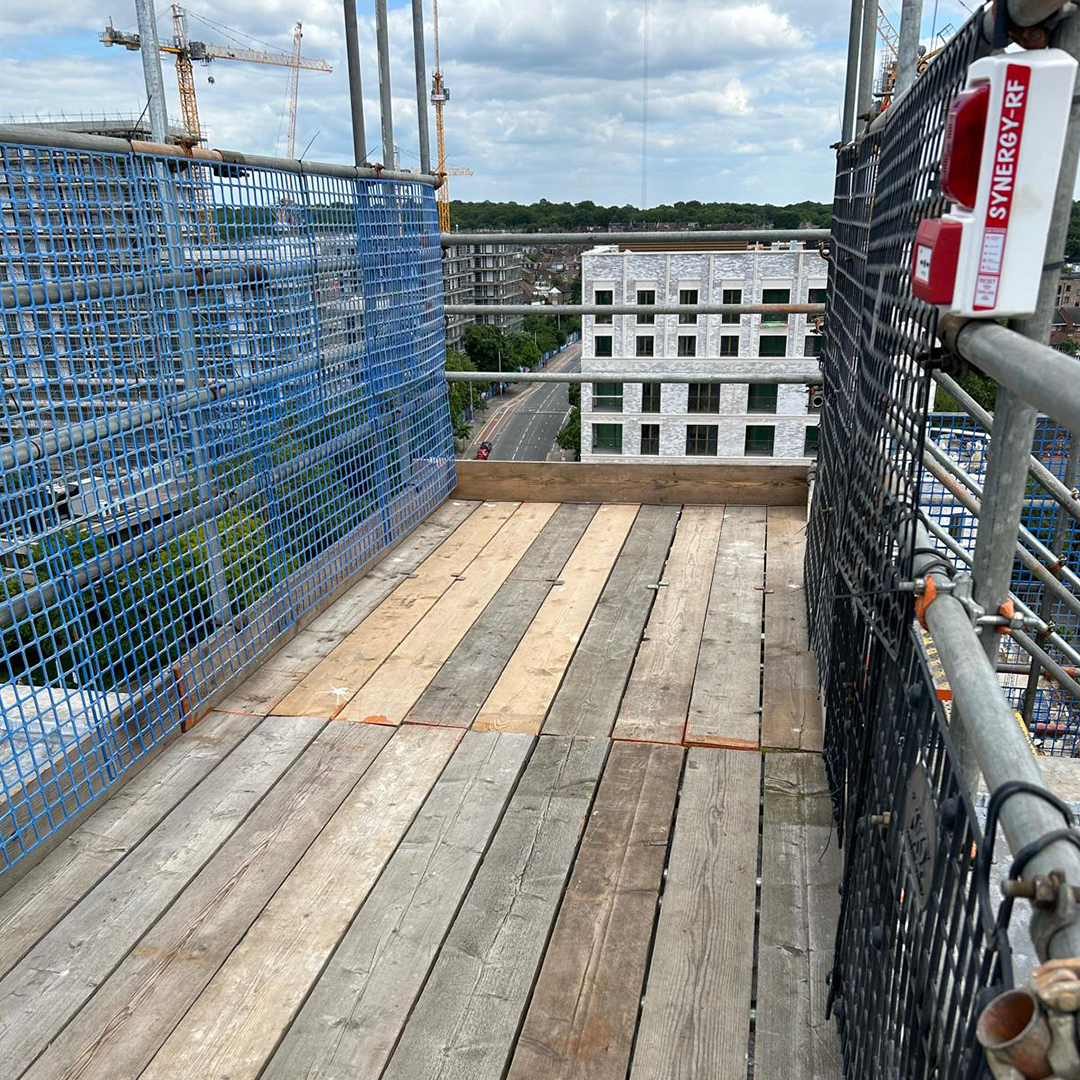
(484, 452)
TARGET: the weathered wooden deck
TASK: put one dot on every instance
(537, 798)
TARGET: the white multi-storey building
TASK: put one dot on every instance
(654, 421)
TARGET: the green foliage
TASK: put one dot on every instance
(1070, 348)
(484, 344)
(462, 395)
(981, 387)
(1072, 240)
(574, 393)
(523, 351)
(569, 437)
(541, 215)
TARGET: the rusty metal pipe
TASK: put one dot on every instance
(1013, 1031)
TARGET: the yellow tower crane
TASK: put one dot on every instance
(440, 95)
(187, 51)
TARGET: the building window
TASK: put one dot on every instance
(607, 397)
(602, 346)
(810, 442)
(607, 438)
(644, 345)
(688, 296)
(606, 297)
(816, 296)
(687, 345)
(761, 397)
(769, 345)
(775, 296)
(646, 296)
(731, 296)
(703, 397)
(729, 344)
(759, 441)
(650, 438)
(812, 345)
(650, 397)
(701, 440)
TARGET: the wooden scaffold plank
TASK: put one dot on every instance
(520, 699)
(588, 700)
(657, 699)
(456, 693)
(580, 1023)
(125, 1023)
(395, 687)
(695, 1021)
(238, 1021)
(725, 707)
(350, 1024)
(466, 1021)
(791, 712)
(46, 988)
(336, 679)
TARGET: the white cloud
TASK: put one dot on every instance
(744, 95)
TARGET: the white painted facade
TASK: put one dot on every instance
(718, 344)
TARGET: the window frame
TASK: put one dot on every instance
(748, 437)
(617, 441)
(729, 337)
(654, 440)
(691, 340)
(609, 338)
(659, 391)
(689, 320)
(808, 450)
(603, 320)
(650, 352)
(709, 432)
(731, 296)
(770, 319)
(607, 401)
(754, 390)
(696, 392)
(782, 338)
(645, 320)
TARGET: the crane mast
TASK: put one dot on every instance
(294, 89)
(439, 97)
(185, 76)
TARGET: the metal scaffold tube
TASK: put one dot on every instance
(386, 98)
(420, 66)
(725, 379)
(851, 79)
(356, 92)
(864, 96)
(635, 309)
(151, 63)
(704, 236)
(996, 740)
(908, 50)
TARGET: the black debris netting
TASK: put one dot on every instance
(914, 945)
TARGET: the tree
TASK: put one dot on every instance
(569, 437)
(544, 329)
(523, 352)
(484, 345)
(981, 387)
(462, 395)
(1070, 348)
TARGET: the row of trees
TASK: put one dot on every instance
(538, 216)
(487, 348)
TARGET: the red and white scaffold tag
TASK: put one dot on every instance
(999, 171)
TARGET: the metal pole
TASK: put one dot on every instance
(725, 379)
(386, 104)
(356, 92)
(151, 65)
(908, 50)
(1013, 429)
(1057, 543)
(864, 97)
(851, 81)
(420, 64)
(640, 309)
(591, 239)
(999, 744)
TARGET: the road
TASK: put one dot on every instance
(524, 427)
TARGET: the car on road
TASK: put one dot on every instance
(484, 451)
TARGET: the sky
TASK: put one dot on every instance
(743, 96)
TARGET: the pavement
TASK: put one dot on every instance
(523, 426)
